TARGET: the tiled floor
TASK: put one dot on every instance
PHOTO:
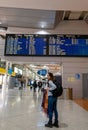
(21, 110)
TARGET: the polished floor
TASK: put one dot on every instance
(83, 103)
(21, 110)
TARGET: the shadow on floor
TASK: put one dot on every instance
(63, 125)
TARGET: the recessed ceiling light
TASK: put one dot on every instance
(0, 22)
(42, 32)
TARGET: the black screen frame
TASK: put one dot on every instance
(47, 45)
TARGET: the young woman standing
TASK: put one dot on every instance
(52, 103)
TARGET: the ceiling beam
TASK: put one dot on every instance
(82, 16)
(58, 17)
(67, 14)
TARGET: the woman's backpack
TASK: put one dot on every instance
(57, 92)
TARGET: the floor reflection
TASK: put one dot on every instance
(21, 110)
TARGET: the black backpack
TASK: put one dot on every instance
(59, 89)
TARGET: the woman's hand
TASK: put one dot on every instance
(47, 88)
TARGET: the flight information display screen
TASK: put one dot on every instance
(25, 45)
(46, 45)
(68, 45)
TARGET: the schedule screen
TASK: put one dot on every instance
(46, 45)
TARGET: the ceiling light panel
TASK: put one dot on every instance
(75, 15)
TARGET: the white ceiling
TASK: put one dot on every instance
(78, 5)
(40, 19)
(14, 17)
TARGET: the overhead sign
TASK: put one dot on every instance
(13, 74)
(46, 45)
(10, 71)
(2, 71)
(42, 72)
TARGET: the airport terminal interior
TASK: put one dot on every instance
(38, 37)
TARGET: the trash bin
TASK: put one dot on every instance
(65, 94)
(70, 93)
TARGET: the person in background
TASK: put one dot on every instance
(52, 103)
(22, 84)
(39, 85)
(23, 81)
(35, 85)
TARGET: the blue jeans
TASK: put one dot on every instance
(52, 108)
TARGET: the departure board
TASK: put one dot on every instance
(25, 45)
(46, 45)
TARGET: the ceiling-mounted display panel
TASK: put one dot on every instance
(25, 45)
(46, 45)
